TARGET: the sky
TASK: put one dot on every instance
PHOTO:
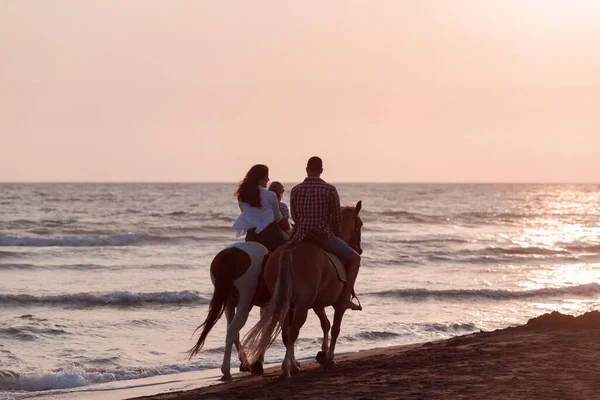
(383, 91)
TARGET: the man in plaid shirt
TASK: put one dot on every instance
(316, 213)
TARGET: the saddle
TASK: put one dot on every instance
(339, 266)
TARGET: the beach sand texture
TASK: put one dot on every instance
(554, 356)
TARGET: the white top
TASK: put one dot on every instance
(259, 218)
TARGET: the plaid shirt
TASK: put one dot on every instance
(315, 209)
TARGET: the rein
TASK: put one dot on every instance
(354, 241)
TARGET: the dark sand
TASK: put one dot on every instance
(553, 356)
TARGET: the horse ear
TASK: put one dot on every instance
(358, 207)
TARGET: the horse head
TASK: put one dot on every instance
(351, 225)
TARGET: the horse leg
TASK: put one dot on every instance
(257, 367)
(229, 314)
(285, 335)
(335, 331)
(297, 322)
(233, 334)
(325, 325)
(226, 365)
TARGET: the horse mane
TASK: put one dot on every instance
(347, 208)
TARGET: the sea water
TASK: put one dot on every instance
(106, 282)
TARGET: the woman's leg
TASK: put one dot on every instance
(252, 236)
(271, 237)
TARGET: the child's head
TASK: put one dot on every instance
(277, 188)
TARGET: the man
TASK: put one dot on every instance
(316, 213)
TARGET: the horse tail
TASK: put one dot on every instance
(266, 330)
(222, 271)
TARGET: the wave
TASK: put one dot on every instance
(490, 216)
(177, 213)
(118, 299)
(43, 223)
(372, 335)
(428, 240)
(29, 333)
(526, 251)
(492, 255)
(406, 216)
(84, 376)
(453, 328)
(409, 329)
(476, 217)
(12, 254)
(126, 239)
(92, 267)
(588, 248)
(587, 290)
(210, 216)
(470, 260)
(110, 240)
(17, 266)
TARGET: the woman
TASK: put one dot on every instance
(260, 210)
(284, 224)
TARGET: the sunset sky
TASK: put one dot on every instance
(392, 91)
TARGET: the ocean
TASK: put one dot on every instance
(106, 282)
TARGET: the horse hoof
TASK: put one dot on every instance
(257, 368)
(330, 364)
(285, 376)
(226, 377)
(322, 357)
(244, 367)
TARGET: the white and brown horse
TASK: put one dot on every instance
(236, 275)
(301, 276)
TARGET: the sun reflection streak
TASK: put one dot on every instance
(566, 275)
(556, 236)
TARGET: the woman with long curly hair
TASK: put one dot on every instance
(260, 210)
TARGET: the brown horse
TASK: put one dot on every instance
(300, 277)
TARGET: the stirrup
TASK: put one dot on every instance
(357, 299)
(354, 296)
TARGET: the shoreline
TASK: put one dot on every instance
(553, 356)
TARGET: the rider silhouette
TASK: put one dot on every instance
(315, 206)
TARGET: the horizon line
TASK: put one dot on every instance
(332, 181)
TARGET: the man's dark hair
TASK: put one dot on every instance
(314, 164)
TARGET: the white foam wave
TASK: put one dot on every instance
(109, 240)
(77, 377)
(106, 299)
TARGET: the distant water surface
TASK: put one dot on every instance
(103, 282)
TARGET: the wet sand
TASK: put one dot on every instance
(553, 356)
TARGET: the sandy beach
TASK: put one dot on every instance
(553, 356)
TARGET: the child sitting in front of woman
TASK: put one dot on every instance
(284, 223)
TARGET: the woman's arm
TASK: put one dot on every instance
(284, 224)
(285, 214)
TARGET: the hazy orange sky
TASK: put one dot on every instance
(395, 91)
